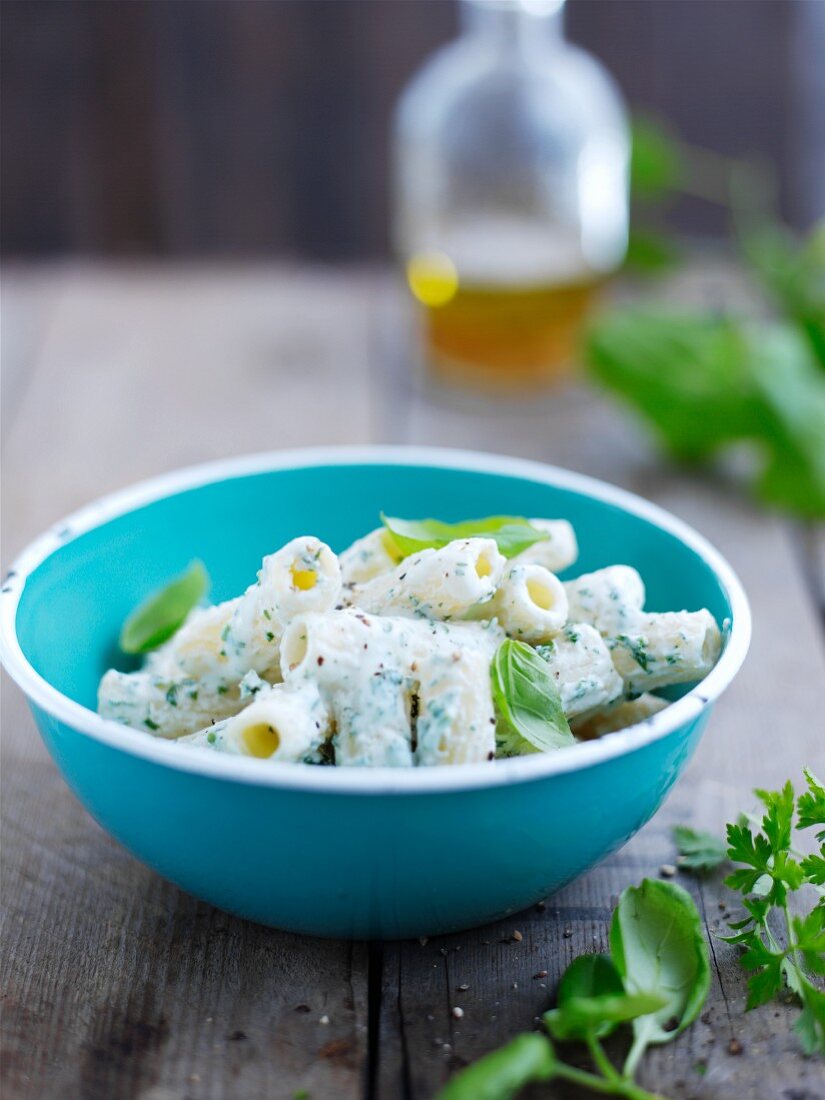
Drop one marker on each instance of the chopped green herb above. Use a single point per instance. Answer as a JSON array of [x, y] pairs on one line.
[[150, 724], [637, 648]]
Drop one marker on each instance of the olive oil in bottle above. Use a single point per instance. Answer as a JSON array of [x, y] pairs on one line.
[[511, 157], [502, 304]]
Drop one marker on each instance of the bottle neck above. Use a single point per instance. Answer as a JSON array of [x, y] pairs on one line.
[[514, 24]]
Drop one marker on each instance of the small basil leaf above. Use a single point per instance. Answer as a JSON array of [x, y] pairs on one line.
[[589, 976], [650, 252], [530, 715], [163, 613], [658, 947], [699, 852], [656, 162], [502, 1074], [581, 1017], [512, 534]]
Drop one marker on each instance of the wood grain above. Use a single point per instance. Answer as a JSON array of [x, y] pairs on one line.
[[114, 983]]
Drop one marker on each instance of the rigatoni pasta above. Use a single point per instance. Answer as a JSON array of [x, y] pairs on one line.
[[382, 657]]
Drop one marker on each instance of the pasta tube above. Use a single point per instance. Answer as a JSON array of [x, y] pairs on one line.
[[165, 707], [618, 717], [456, 719], [241, 634], [583, 670], [436, 584], [610, 599], [386, 682], [556, 552], [368, 557], [530, 603], [195, 678], [672, 647], [282, 723]]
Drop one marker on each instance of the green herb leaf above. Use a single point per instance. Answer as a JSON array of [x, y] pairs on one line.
[[527, 701], [512, 534], [163, 613], [584, 1017], [767, 979], [686, 372], [699, 852], [794, 273], [706, 382], [503, 1073], [650, 252], [809, 935], [658, 947], [592, 1001], [813, 868], [811, 805], [772, 870], [656, 161], [810, 1027], [589, 976]]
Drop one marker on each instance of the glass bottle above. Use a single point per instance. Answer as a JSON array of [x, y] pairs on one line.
[[511, 152]]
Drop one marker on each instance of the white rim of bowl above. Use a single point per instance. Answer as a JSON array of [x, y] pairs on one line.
[[373, 781]]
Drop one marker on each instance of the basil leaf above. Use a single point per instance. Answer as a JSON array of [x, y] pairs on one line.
[[512, 534], [589, 976], [657, 165], [163, 613], [699, 852], [658, 947], [592, 1000], [793, 271], [530, 715], [705, 382], [650, 252], [595, 1017], [503, 1073]]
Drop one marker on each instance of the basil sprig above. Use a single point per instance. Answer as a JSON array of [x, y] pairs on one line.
[[527, 701], [163, 612], [658, 946], [512, 534], [659, 971]]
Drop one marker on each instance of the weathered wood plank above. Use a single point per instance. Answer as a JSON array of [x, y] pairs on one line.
[[143, 369], [116, 984]]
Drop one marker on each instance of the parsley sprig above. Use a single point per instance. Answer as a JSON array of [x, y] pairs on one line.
[[780, 947]]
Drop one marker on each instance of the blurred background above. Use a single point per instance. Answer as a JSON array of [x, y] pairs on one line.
[[261, 127], [623, 195]]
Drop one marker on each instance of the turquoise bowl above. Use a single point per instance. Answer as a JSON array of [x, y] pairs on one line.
[[334, 851]]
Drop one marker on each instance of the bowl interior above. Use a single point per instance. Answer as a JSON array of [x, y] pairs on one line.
[[75, 601]]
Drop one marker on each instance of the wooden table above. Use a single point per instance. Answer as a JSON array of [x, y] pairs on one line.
[[115, 984]]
